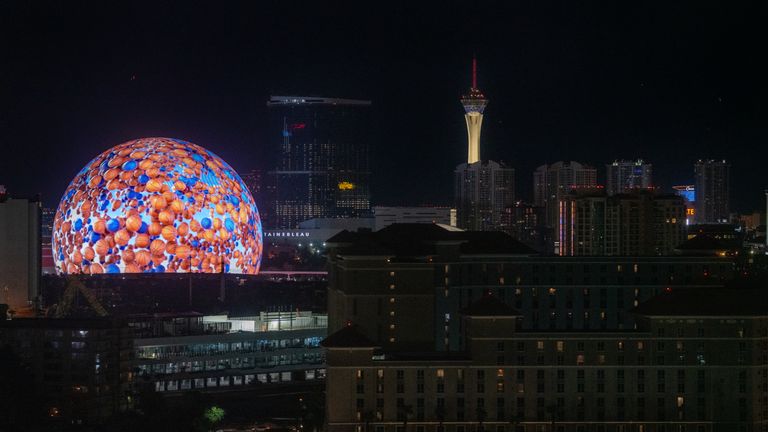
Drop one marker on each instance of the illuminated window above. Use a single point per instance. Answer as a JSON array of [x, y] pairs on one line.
[[359, 374], [580, 359], [620, 345], [391, 326], [391, 286], [560, 346], [380, 373], [391, 313], [634, 268], [640, 345], [680, 401], [552, 291], [440, 373], [500, 373], [391, 299], [392, 340], [392, 274], [539, 345]]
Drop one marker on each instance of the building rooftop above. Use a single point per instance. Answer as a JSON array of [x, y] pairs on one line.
[[721, 302], [704, 243], [418, 239], [311, 100], [348, 337]]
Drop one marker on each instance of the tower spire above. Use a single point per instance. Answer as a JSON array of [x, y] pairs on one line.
[[474, 71]]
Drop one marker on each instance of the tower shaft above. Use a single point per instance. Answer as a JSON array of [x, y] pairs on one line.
[[474, 123]]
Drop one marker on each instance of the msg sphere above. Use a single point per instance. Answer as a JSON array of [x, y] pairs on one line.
[[156, 205]]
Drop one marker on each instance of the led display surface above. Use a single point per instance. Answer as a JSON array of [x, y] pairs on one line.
[[156, 205]]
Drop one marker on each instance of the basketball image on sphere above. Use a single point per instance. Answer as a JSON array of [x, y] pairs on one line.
[[157, 205]]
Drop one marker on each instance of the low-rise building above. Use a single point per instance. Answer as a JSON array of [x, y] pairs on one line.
[[191, 351]]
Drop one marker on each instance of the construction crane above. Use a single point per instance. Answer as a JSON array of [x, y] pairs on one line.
[[74, 285]]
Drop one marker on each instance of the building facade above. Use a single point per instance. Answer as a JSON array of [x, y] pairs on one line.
[[713, 192], [636, 224], [323, 169], [483, 192], [386, 216], [692, 364], [526, 223], [551, 183], [81, 367], [391, 282], [626, 176], [20, 250], [185, 352], [688, 193]]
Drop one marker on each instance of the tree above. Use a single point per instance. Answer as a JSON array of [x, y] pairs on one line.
[[214, 414]]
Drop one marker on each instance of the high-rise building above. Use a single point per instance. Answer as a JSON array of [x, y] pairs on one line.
[[551, 183], [20, 250], [526, 224], [637, 224], [688, 193], [712, 191], [323, 171], [482, 189], [624, 176], [48, 264]]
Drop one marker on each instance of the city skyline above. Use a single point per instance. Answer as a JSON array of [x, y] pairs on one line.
[[583, 100]]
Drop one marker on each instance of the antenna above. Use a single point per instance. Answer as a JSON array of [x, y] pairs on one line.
[[474, 72]]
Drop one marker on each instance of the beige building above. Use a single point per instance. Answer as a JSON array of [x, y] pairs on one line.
[[20, 251], [697, 362]]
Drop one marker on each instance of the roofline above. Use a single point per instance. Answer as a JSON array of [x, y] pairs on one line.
[[313, 100], [682, 316]]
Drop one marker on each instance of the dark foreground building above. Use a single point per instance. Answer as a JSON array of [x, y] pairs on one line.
[[408, 283], [696, 362], [80, 368]]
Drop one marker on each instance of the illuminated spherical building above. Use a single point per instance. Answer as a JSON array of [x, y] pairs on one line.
[[157, 205]]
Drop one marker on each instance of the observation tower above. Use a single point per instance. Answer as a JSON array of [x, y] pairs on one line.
[[474, 103]]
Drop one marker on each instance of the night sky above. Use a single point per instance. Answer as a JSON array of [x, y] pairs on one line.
[[669, 82]]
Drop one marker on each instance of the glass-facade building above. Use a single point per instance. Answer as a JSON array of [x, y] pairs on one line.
[[323, 167], [213, 352]]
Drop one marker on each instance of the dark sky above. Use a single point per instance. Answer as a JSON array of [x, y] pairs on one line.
[[670, 82]]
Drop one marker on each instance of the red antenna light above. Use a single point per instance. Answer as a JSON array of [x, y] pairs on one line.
[[474, 72]]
